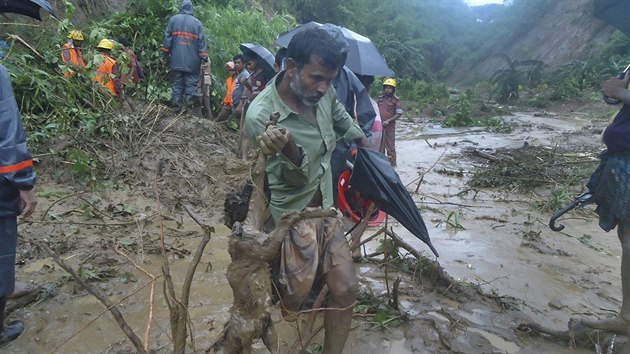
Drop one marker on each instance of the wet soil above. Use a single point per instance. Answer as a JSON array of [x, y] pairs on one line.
[[509, 267]]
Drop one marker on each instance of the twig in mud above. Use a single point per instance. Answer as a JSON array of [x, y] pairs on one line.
[[160, 133], [57, 201], [421, 177], [151, 294], [97, 293], [488, 282]]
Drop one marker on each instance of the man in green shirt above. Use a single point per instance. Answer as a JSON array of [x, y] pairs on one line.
[[299, 147]]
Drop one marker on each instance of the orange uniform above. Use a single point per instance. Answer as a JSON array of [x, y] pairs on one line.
[[72, 56], [107, 74], [230, 83]]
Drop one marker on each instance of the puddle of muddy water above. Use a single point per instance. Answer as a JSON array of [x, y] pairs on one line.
[[488, 251]]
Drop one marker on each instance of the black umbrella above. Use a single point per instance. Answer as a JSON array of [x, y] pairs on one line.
[[614, 13], [28, 8], [375, 179], [363, 57], [267, 58]]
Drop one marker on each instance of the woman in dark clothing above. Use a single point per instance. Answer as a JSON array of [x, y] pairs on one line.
[[611, 187]]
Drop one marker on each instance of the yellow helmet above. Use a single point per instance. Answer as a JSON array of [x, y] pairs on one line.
[[389, 82], [105, 44], [76, 35]]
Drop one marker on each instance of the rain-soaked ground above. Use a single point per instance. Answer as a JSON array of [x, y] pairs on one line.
[[560, 275]]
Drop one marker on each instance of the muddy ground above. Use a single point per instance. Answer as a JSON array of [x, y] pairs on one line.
[[508, 267]]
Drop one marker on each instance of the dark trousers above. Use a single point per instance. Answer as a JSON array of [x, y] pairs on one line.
[[184, 84], [8, 244]]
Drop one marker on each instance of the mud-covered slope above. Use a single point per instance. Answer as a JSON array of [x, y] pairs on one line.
[[566, 33]]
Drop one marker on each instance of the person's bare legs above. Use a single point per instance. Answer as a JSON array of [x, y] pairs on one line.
[[621, 323], [342, 286]]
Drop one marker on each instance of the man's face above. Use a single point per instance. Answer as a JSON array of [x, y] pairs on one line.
[[311, 82], [388, 90], [238, 65], [77, 43], [252, 65]]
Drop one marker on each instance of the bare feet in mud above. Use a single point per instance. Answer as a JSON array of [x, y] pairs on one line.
[[22, 288], [614, 325]]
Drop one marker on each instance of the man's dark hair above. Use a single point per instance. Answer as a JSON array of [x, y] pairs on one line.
[[320, 42], [238, 57], [280, 55]]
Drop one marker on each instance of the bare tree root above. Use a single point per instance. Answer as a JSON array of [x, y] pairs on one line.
[[250, 280], [97, 293]]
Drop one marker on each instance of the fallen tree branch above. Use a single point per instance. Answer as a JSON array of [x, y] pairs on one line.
[[118, 317]]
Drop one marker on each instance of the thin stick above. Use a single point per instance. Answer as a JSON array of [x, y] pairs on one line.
[[99, 315], [57, 201], [97, 293]]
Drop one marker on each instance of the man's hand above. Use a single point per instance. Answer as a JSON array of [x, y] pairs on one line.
[[615, 87], [273, 140], [204, 65], [27, 202], [385, 123]]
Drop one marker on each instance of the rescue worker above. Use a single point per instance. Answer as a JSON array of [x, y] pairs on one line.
[[390, 107], [185, 49], [298, 150], [107, 73], [17, 179], [230, 82], [72, 54], [133, 69]]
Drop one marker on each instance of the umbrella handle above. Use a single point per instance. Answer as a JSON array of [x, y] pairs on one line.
[[611, 101], [559, 213]]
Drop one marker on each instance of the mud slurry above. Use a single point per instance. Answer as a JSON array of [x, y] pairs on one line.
[[497, 283]]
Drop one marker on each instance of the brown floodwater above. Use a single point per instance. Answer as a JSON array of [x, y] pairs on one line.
[[577, 275]]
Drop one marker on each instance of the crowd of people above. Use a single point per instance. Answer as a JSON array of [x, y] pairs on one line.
[[324, 110]]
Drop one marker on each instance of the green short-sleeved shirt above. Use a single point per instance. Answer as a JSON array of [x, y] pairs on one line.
[[293, 187]]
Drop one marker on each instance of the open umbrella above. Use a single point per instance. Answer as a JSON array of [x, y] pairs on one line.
[[28, 8], [363, 57], [375, 178], [614, 13], [263, 53]]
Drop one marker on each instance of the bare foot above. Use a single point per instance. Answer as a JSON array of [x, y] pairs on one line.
[[22, 288], [615, 325]]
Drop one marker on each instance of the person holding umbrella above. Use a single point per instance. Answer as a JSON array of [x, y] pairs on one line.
[[259, 61], [390, 107], [298, 149], [610, 185]]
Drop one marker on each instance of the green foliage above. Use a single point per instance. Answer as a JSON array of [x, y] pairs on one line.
[[383, 315], [507, 81]]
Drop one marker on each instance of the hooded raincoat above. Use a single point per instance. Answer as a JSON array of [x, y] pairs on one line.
[[184, 40], [16, 165]]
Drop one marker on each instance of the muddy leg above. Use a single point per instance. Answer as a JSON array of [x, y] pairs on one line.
[[620, 324], [342, 284]]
